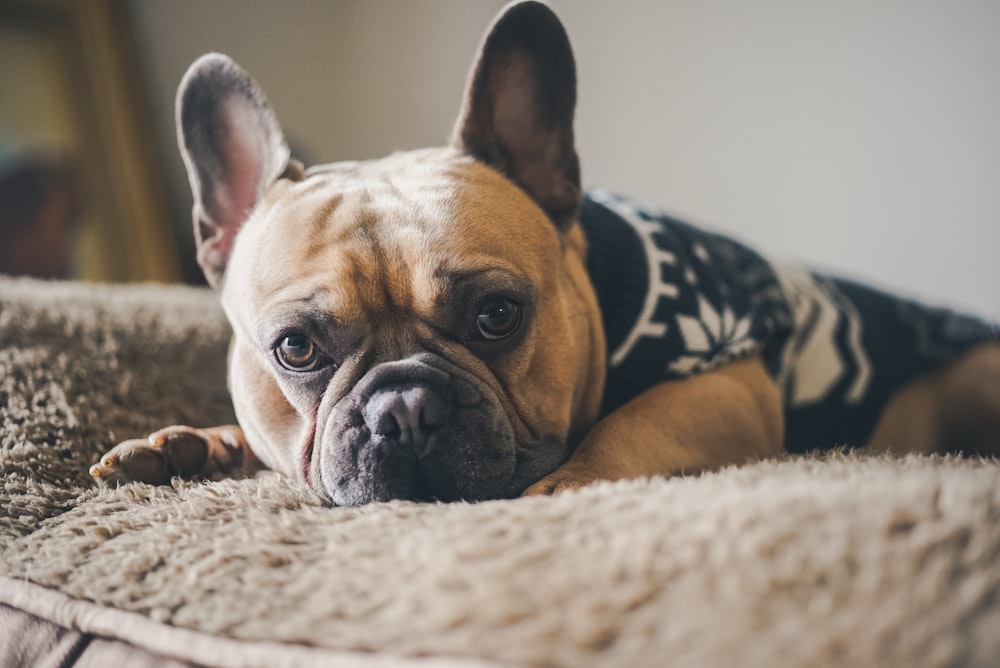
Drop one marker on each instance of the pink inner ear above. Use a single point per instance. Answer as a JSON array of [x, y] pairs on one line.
[[244, 153], [235, 192]]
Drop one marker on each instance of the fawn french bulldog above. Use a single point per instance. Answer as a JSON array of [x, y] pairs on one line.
[[466, 323]]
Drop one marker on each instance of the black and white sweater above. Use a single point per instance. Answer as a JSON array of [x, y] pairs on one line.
[[678, 301]]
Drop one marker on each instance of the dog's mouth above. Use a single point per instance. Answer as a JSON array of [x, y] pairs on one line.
[[414, 430]]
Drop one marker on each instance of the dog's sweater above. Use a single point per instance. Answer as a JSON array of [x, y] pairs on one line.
[[678, 301]]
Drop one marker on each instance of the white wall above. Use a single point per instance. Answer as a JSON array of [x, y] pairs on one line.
[[859, 135]]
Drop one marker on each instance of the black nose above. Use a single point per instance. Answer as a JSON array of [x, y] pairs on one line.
[[405, 414]]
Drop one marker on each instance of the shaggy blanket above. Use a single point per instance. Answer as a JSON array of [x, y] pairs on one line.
[[836, 560]]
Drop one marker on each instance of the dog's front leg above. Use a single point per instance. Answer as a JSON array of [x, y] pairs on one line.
[[726, 416], [181, 451]]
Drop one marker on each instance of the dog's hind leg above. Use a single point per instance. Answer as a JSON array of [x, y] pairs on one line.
[[955, 409]]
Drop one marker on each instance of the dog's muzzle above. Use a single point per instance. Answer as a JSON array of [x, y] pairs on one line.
[[406, 415], [419, 429]]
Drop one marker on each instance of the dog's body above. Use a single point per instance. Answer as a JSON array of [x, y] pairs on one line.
[[678, 301], [464, 323]]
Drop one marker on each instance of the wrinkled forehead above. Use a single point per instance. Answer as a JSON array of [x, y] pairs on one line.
[[408, 222]]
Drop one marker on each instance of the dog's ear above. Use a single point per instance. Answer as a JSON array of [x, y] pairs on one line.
[[233, 149], [517, 114]]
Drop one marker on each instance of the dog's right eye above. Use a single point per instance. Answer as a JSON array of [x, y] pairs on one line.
[[498, 319], [297, 352]]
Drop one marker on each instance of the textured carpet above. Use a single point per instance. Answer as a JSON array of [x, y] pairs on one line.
[[844, 560]]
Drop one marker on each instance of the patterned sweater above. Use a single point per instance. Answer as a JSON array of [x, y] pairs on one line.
[[678, 301]]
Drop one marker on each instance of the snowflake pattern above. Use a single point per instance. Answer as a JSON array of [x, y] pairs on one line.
[[710, 338], [688, 292]]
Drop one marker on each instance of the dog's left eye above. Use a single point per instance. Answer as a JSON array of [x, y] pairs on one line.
[[297, 352], [498, 319]]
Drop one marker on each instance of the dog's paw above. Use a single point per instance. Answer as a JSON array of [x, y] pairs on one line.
[[174, 451], [557, 482]]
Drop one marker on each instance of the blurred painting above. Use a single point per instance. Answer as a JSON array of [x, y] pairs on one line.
[[80, 194]]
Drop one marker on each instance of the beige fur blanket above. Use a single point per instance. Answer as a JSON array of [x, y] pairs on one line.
[[844, 560]]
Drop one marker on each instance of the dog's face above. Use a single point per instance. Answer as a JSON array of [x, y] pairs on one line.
[[419, 326]]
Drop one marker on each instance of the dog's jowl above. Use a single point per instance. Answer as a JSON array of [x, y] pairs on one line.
[[465, 322]]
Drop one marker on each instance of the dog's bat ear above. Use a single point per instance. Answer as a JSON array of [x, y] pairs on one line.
[[517, 114], [233, 149]]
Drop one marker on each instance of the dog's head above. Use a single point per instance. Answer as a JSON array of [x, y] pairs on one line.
[[419, 326]]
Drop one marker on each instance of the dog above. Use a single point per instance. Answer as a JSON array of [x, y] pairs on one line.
[[465, 323]]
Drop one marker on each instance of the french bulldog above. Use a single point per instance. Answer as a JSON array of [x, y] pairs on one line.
[[466, 323]]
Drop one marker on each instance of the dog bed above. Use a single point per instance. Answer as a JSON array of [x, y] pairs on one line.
[[842, 559]]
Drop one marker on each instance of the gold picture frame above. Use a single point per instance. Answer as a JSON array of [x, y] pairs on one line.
[[68, 81]]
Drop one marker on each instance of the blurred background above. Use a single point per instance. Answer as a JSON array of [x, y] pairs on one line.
[[861, 135]]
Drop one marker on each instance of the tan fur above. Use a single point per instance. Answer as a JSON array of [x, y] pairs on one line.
[[954, 409], [432, 212], [728, 416]]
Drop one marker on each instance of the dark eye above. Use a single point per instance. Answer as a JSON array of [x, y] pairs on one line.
[[297, 352], [498, 319]]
